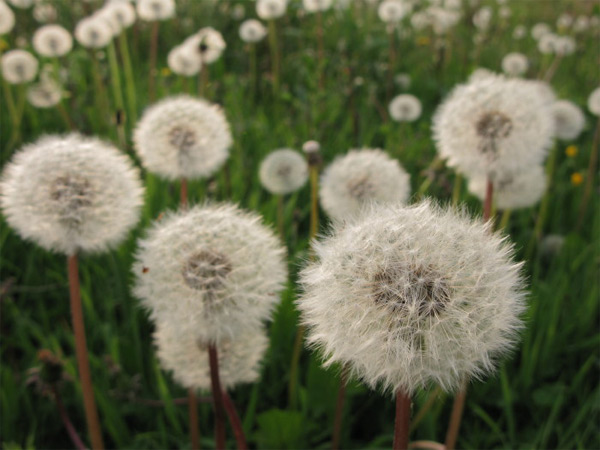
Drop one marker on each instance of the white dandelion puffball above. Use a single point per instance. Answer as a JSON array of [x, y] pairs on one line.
[[214, 270], [582, 24], [252, 30], [539, 30], [513, 191], [482, 18], [393, 11], [71, 193], [568, 120], [283, 171], [515, 64], [44, 13], [361, 177], [93, 32], [184, 60], [152, 10], [493, 126], [564, 21], [45, 94], [19, 66], [407, 297], [183, 137], [564, 45], [547, 43], [7, 18], [239, 358], [313, 6], [121, 12], [209, 44], [21, 4], [270, 9], [52, 41], [519, 32], [405, 108], [593, 102]]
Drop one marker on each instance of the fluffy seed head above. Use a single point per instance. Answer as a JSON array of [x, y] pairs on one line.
[[209, 44], [71, 193], [270, 9], [182, 353], [121, 12], [7, 18], [515, 64], [393, 11], [19, 66], [21, 4], [44, 13], [359, 178], [252, 30], [44, 94], [152, 10], [52, 41], [513, 191], [482, 18], [410, 296], [214, 270], [283, 171], [519, 32], [593, 102], [312, 6], [568, 120], [405, 108], [184, 60], [493, 126], [183, 137], [539, 30], [93, 32]]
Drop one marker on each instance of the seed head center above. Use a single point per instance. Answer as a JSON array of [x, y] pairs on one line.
[[206, 271]]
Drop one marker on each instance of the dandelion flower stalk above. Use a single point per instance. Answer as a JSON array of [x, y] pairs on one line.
[[402, 420], [101, 99], [253, 69], [274, 47], [129, 77], [85, 378], [115, 78], [339, 410], [217, 395], [392, 56], [193, 417], [320, 51], [234, 420], [505, 219], [153, 54], [456, 417], [458, 181]]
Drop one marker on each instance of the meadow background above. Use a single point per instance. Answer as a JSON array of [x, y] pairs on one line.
[[545, 396]]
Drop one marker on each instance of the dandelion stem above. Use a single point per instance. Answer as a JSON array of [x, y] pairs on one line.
[[71, 431], [153, 52], [253, 70], [280, 226], [115, 78], [183, 194], [65, 115], [292, 388], [203, 80], [589, 182], [488, 202], [552, 69], [458, 181], [456, 417], [321, 51], [15, 116], [236, 423], [402, 422], [505, 219], [274, 55], [91, 414], [193, 416], [101, 99], [314, 202], [391, 64], [129, 77], [425, 408], [217, 394], [339, 410]]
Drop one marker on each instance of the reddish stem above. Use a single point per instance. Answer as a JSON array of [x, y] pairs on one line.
[[217, 394], [183, 194], [91, 414], [235, 422], [193, 416], [402, 422], [456, 417], [339, 410], [487, 205], [79, 445]]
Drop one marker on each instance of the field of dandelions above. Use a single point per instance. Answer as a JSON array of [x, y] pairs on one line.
[[361, 316]]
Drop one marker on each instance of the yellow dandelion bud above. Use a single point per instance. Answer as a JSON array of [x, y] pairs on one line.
[[3, 45], [423, 40], [571, 151], [165, 71], [576, 179]]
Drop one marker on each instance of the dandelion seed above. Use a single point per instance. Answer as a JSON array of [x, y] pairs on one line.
[[405, 108], [360, 177], [407, 297], [215, 271], [568, 120], [183, 137], [283, 171], [19, 66], [52, 41], [252, 31], [71, 194]]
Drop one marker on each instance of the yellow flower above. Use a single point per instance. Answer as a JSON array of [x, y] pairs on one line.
[[3, 45], [423, 40], [576, 179], [571, 151], [165, 71]]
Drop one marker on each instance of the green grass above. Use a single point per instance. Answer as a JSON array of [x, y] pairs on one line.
[[545, 396]]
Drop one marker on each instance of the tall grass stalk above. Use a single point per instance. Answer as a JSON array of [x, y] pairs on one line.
[[129, 78]]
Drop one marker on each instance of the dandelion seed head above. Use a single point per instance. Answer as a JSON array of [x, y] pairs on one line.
[[539, 30], [44, 12], [569, 120], [515, 64], [184, 60], [405, 108], [182, 353], [494, 126], [19, 66], [93, 32], [209, 44], [52, 41], [393, 11], [183, 137], [252, 30], [360, 177], [153, 10], [21, 4], [270, 9], [283, 171], [44, 94], [593, 102], [519, 32], [313, 6], [407, 297], [121, 13], [7, 18], [482, 18], [71, 193], [214, 270]]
